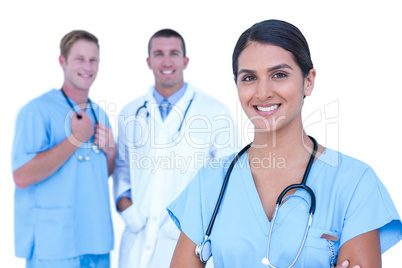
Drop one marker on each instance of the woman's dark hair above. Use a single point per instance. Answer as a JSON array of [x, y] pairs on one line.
[[278, 33]]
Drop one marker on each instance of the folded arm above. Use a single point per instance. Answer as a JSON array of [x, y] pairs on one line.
[[363, 250], [184, 254]]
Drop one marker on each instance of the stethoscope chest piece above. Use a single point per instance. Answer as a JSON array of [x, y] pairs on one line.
[[203, 250]]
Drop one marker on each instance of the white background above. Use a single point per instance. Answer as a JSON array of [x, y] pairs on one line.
[[355, 45]]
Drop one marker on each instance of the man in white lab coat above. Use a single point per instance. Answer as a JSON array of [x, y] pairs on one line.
[[164, 137]]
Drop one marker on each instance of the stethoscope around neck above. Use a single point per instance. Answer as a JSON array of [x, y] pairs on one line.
[[177, 133], [203, 250], [95, 148]]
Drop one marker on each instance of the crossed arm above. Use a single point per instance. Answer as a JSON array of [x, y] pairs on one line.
[[362, 251]]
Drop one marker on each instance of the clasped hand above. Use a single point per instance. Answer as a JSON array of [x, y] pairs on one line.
[[82, 129]]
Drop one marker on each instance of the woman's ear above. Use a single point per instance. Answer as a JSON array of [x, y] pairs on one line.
[[309, 82]]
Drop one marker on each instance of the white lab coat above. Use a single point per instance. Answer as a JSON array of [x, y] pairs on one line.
[[157, 169]]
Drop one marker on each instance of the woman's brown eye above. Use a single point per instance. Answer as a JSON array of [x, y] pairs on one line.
[[249, 78], [280, 75]]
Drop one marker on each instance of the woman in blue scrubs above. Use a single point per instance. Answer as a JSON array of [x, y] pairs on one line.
[[355, 218]]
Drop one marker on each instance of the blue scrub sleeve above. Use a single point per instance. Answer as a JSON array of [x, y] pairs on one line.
[[125, 194], [186, 211], [371, 208], [30, 137]]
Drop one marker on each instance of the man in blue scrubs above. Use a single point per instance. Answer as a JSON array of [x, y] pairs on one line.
[[63, 153]]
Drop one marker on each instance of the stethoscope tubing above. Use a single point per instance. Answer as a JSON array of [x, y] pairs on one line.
[[304, 180], [302, 185], [298, 186], [95, 148], [144, 106], [72, 107], [279, 200], [199, 248], [223, 189]]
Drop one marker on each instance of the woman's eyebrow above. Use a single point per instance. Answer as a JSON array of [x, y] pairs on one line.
[[274, 68], [280, 66], [246, 71]]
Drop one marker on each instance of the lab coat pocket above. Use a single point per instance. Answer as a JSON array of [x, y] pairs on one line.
[[319, 252], [54, 233], [134, 219]]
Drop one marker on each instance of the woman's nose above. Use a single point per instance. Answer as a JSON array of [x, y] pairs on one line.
[[264, 90]]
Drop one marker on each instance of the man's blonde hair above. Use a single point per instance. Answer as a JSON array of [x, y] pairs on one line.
[[69, 40]]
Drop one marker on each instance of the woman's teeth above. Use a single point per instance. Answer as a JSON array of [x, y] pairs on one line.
[[267, 109]]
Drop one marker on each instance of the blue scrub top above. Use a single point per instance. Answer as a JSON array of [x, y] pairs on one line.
[[67, 214], [350, 200]]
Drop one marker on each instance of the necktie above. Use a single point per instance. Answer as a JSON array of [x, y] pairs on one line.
[[164, 108]]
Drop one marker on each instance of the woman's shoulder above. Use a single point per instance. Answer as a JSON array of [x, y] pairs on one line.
[[345, 169], [335, 159]]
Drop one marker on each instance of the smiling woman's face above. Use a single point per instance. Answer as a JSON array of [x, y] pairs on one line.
[[271, 87]]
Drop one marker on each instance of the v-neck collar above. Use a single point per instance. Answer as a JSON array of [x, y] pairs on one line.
[[285, 209], [77, 109]]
